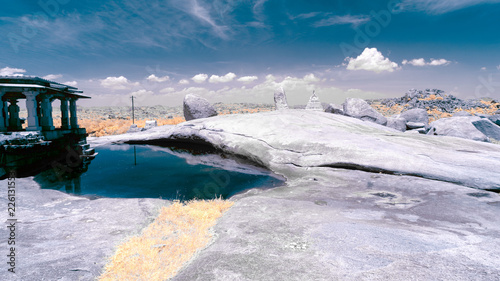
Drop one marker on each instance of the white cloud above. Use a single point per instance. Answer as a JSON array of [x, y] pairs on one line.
[[247, 79], [167, 90], [422, 62], [52, 76], [184, 82], [498, 67], [118, 83], [200, 78], [437, 7], [347, 19], [483, 68], [141, 93], [71, 83], [222, 79], [7, 71], [439, 62], [154, 78], [371, 60], [311, 78]]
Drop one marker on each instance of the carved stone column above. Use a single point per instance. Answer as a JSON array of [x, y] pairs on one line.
[[3, 118], [31, 107], [73, 117], [64, 114], [47, 122]]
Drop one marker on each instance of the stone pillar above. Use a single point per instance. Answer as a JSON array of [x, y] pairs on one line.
[[64, 114], [3, 118], [73, 117], [6, 113], [31, 107], [14, 121], [47, 123]]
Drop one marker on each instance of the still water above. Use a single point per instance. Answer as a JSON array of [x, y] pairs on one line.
[[142, 171]]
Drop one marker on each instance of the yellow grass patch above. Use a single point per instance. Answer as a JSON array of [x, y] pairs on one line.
[[168, 243]]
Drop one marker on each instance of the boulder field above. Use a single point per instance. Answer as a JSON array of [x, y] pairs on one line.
[[362, 201]]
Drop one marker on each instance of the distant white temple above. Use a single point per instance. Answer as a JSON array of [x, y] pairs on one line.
[[314, 103]]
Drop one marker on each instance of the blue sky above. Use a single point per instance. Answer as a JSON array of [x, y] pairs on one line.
[[240, 51]]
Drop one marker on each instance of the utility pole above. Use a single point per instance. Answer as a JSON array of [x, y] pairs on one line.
[[133, 117]]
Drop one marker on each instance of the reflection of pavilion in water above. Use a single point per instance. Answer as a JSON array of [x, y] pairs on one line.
[[64, 174]]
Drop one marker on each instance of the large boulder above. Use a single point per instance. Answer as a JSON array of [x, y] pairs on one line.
[[397, 123], [417, 115], [280, 99], [358, 108], [415, 125], [196, 107], [488, 128], [335, 109], [461, 127]]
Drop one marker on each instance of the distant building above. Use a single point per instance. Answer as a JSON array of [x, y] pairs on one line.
[[314, 103]]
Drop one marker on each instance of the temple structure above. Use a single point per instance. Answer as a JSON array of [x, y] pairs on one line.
[[34, 144], [314, 103], [38, 94]]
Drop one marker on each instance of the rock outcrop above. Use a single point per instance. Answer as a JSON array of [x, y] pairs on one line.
[[417, 115], [196, 107], [335, 109], [495, 119], [358, 108], [461, 127], [433, 99], [488, 128], [280, 99], [397, 123], [340, 142]]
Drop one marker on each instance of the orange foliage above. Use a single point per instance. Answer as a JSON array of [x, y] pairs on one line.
[[100, 127]]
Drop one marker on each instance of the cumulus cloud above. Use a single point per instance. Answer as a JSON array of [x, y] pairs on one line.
[[311, 78], [154, 78], [371, 60], [184, 82], [141, 92], [422, 62], [167, 90], [222, 79], [52, 76], [8, 71], [247, 79], [70, 83], [200, 78], [118, 83]]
